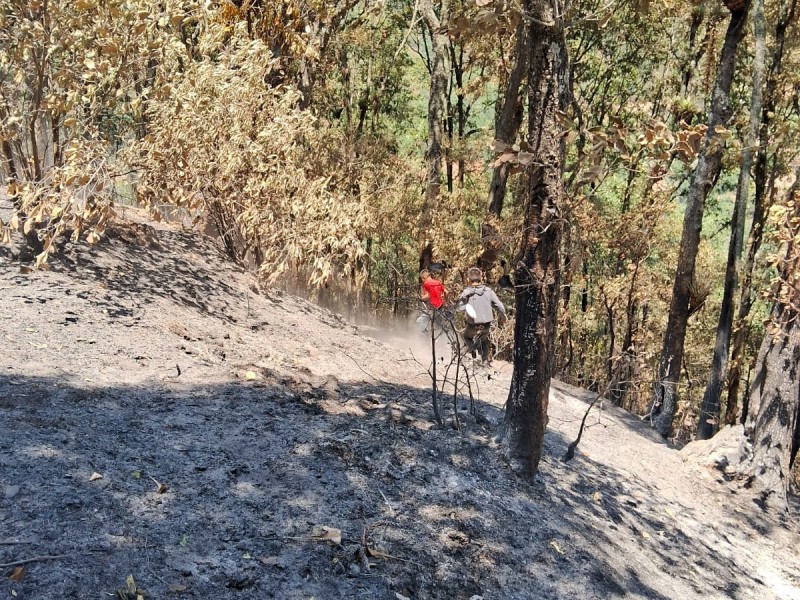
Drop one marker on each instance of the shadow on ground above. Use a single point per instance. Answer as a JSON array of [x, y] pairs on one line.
[[251, 471]]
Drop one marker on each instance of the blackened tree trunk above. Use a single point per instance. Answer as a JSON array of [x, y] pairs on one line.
[[710, 406], [776, 390], [622, 369], [537, 266], [761, 207], [436, 25], [8, 155], [775, 396], [509, 118], [665, 392]]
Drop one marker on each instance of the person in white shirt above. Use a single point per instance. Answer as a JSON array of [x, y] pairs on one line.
[[478, 300]]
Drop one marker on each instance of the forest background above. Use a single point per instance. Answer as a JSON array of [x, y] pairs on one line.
[[338, 147]]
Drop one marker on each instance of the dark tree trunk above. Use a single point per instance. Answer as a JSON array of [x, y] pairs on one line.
[[457, 60], [775, 388], [761, 207], [509, 119], [56, 133], [709, 407], [665, 394], [775, 397], [537, 266], [698, 13], [611, 339], [8, 155], [439, 78], [623, 369]]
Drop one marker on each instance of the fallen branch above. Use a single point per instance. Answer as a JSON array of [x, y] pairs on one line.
[[385, 499], [362, 368], [26, 561], [14, 542], [374, 552]]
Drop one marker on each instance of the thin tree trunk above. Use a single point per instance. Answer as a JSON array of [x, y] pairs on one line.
[[439, 77], [56, 137], [709, 407], [461, 111], [622, 372], [510, 119], [8, 155], [698, 13], [611, 339], [665, 393], [761, 207], [537, 266]]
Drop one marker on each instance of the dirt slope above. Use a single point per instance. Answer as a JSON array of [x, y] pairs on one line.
[[229, 423]]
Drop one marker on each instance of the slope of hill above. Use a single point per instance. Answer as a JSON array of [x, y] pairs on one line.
[[164, 417]]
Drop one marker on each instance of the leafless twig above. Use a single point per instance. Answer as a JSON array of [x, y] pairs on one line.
[[362, 368], [33, 559], [570, 453]]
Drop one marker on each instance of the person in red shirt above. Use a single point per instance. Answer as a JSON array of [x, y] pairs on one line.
[[434, 294], [433, 290]]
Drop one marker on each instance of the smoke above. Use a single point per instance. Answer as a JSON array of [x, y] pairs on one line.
[[410, 336]]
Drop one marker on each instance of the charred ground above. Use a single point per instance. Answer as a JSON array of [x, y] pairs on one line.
[[165, 417]]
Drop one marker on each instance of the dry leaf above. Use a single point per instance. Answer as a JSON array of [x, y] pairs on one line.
[[160, 487], [669, 512], [325, 533], [556, 547], [250, 376], [375, 553], [16, 574], [645, 535], [95, 476], [597, 497]]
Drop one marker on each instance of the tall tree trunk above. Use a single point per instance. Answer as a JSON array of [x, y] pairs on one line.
[[537, 266], [623, 369], [709, 407], [55, 130], [10, 166], [440, 43], [775, 397], [510, 118], [665, 394], [457, 59], [761, 207]]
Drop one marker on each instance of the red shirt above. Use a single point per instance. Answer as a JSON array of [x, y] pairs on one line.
[[435, 290]]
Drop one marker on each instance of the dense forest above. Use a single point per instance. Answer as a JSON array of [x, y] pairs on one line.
[[633, 168]]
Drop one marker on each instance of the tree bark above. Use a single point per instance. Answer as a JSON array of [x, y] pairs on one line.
[[775, 397], [665, 393], [710, 406], [623, 368], [761, 207], [537, 266], [8, 155], [509, 119], [440, 43]]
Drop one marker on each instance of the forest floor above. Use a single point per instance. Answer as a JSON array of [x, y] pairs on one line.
[[170, 426]]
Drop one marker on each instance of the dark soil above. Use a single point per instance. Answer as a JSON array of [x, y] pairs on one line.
[[164, 417]]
